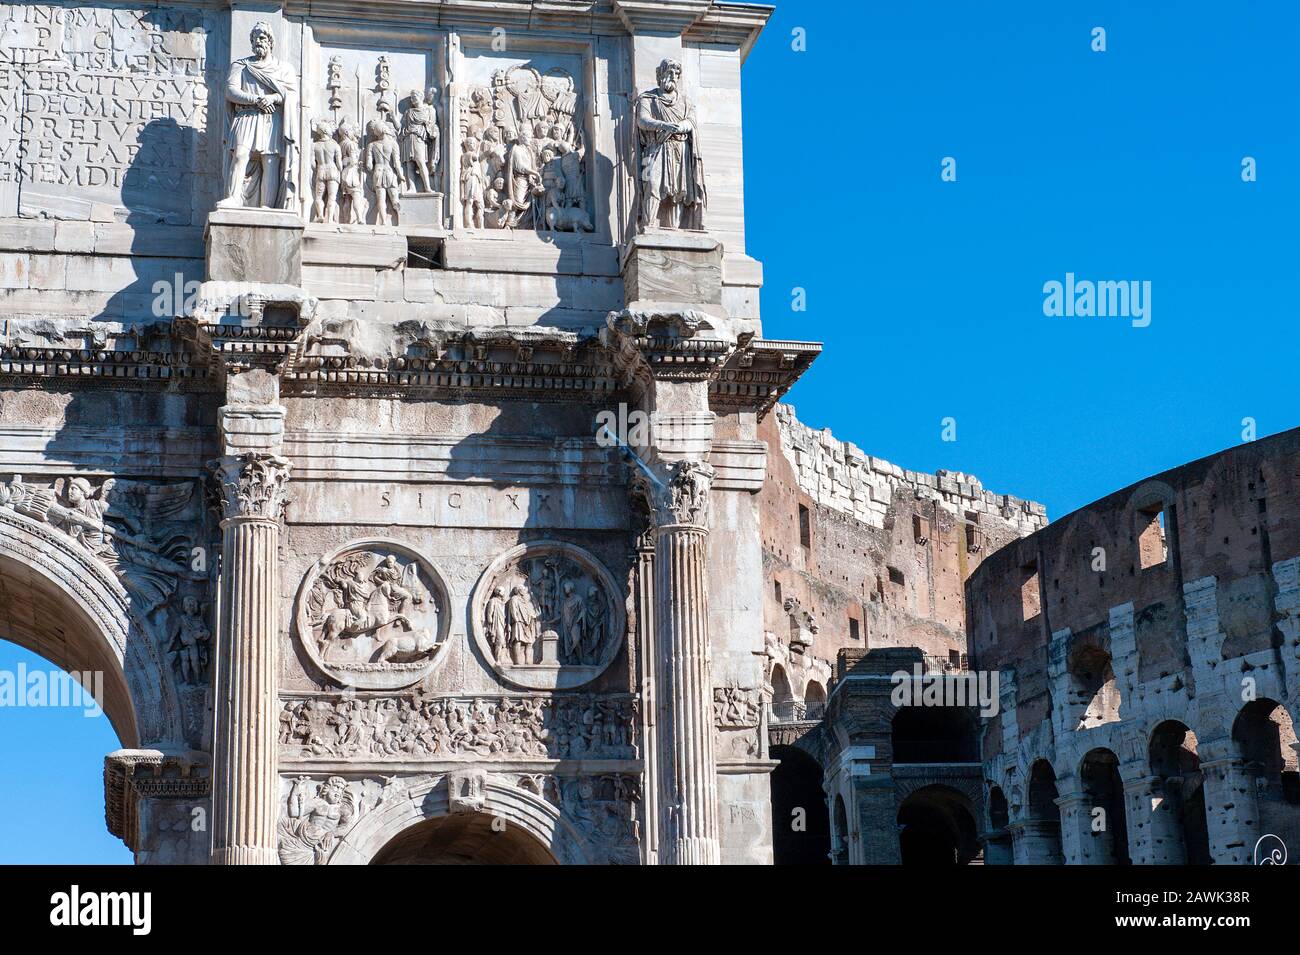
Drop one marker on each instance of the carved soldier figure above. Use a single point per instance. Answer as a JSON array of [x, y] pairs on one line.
[[420, 141], [494, 625], [523, 625], [471, 185], [263, 96], [352, 200], [326, 172], [672, 170], [385, 169]]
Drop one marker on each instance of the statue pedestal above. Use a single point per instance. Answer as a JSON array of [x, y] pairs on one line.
[[254, 245], [550, 648], [422, 208], [668, 266]]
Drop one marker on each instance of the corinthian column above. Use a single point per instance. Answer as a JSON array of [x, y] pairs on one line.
[[686, 769], [245, 777]]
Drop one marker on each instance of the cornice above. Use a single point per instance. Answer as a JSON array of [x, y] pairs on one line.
[[757, 376]]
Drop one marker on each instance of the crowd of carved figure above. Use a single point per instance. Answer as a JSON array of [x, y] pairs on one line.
[[554, 600], [522, 162], [540, 727]]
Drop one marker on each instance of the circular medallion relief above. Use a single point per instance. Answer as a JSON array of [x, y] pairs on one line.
[[373, 615], [547, 616]]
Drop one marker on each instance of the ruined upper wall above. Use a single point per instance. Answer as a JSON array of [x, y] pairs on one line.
[[878, 555], [1171, 575]]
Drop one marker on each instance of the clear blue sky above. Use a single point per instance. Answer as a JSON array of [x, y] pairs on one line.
[[928, 295], [1117, 165]]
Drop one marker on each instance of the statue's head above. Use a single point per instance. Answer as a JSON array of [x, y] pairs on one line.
[[522, 136], [334, 789], [347, 130], [669, 75], [78, 490], [416, 97], [376, 129], [262, 40], [431, 96], [190, 605]]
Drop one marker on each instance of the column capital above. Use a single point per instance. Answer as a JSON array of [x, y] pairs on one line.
[[676, 495], [250, 486]]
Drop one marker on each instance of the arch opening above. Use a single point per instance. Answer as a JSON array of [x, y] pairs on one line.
[[472, 838], [1264, 738], [37, 615], [783, 702], [1178, 818], [801, 830], [1099, 774], [1041, 838], [997, 844], [936, 828]]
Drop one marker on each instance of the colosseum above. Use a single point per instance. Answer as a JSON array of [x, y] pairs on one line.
[[386, 416]]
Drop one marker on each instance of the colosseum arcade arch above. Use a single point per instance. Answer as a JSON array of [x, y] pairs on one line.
[[1099, 775], [1264, 739], [936, 827], [1178, 823]]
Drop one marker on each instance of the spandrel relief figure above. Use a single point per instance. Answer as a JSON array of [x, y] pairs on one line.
[[315, 820], [135, 530], [384, 167], [420, 141], [327, 172], [672, 170], [191, 638], [262, 139]]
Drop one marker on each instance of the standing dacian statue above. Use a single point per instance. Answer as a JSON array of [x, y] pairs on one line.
[[262, 142], [672, 170]]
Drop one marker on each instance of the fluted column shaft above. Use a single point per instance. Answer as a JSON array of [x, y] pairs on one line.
[[688, 775], [245, 774]]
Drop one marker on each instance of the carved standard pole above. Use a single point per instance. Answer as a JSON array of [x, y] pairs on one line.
[[686, 767], [245, 775]]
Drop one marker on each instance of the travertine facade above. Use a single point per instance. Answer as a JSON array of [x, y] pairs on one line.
[[1149, 653]]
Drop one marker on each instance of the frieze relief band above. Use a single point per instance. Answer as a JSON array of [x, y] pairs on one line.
[[407, 727]]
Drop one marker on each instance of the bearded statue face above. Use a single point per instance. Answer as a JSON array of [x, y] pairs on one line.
[[263, 44], [669, 75]]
